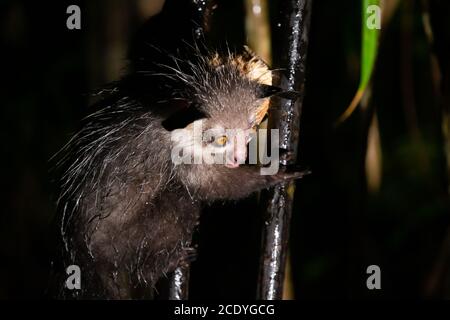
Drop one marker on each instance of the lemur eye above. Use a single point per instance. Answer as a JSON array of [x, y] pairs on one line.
[[221, 141]]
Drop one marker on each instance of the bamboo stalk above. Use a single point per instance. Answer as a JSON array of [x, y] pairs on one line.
[[179, 284], [292, 28]]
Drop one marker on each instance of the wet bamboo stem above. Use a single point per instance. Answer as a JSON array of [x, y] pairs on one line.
[[292, 27], [179, 284]]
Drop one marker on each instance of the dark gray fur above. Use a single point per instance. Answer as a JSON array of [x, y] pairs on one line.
[[127, 213]]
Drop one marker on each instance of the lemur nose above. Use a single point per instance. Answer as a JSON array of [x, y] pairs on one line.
[[240, 152]]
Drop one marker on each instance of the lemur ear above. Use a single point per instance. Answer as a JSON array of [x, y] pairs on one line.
[[289, 95], [266, 91], [279, 77]]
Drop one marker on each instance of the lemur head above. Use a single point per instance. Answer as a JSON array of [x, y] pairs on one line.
[[231, 95]]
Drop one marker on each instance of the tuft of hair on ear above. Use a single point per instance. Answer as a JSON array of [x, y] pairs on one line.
[[249, 64], [256, 68]]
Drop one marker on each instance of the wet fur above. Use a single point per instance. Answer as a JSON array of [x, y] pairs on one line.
[[127, 213]]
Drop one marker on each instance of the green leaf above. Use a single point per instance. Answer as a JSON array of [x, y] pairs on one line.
[[371, 16], [369, 44]]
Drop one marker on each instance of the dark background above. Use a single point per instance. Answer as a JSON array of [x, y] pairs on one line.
[[339, 227]]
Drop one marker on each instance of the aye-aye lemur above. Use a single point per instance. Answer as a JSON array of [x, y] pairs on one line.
[[128, 210]]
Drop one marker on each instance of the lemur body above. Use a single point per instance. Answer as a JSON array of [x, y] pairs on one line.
[[129, 212]]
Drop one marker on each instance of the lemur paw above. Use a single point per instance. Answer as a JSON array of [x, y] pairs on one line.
[[286, 174], [189, 256]]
